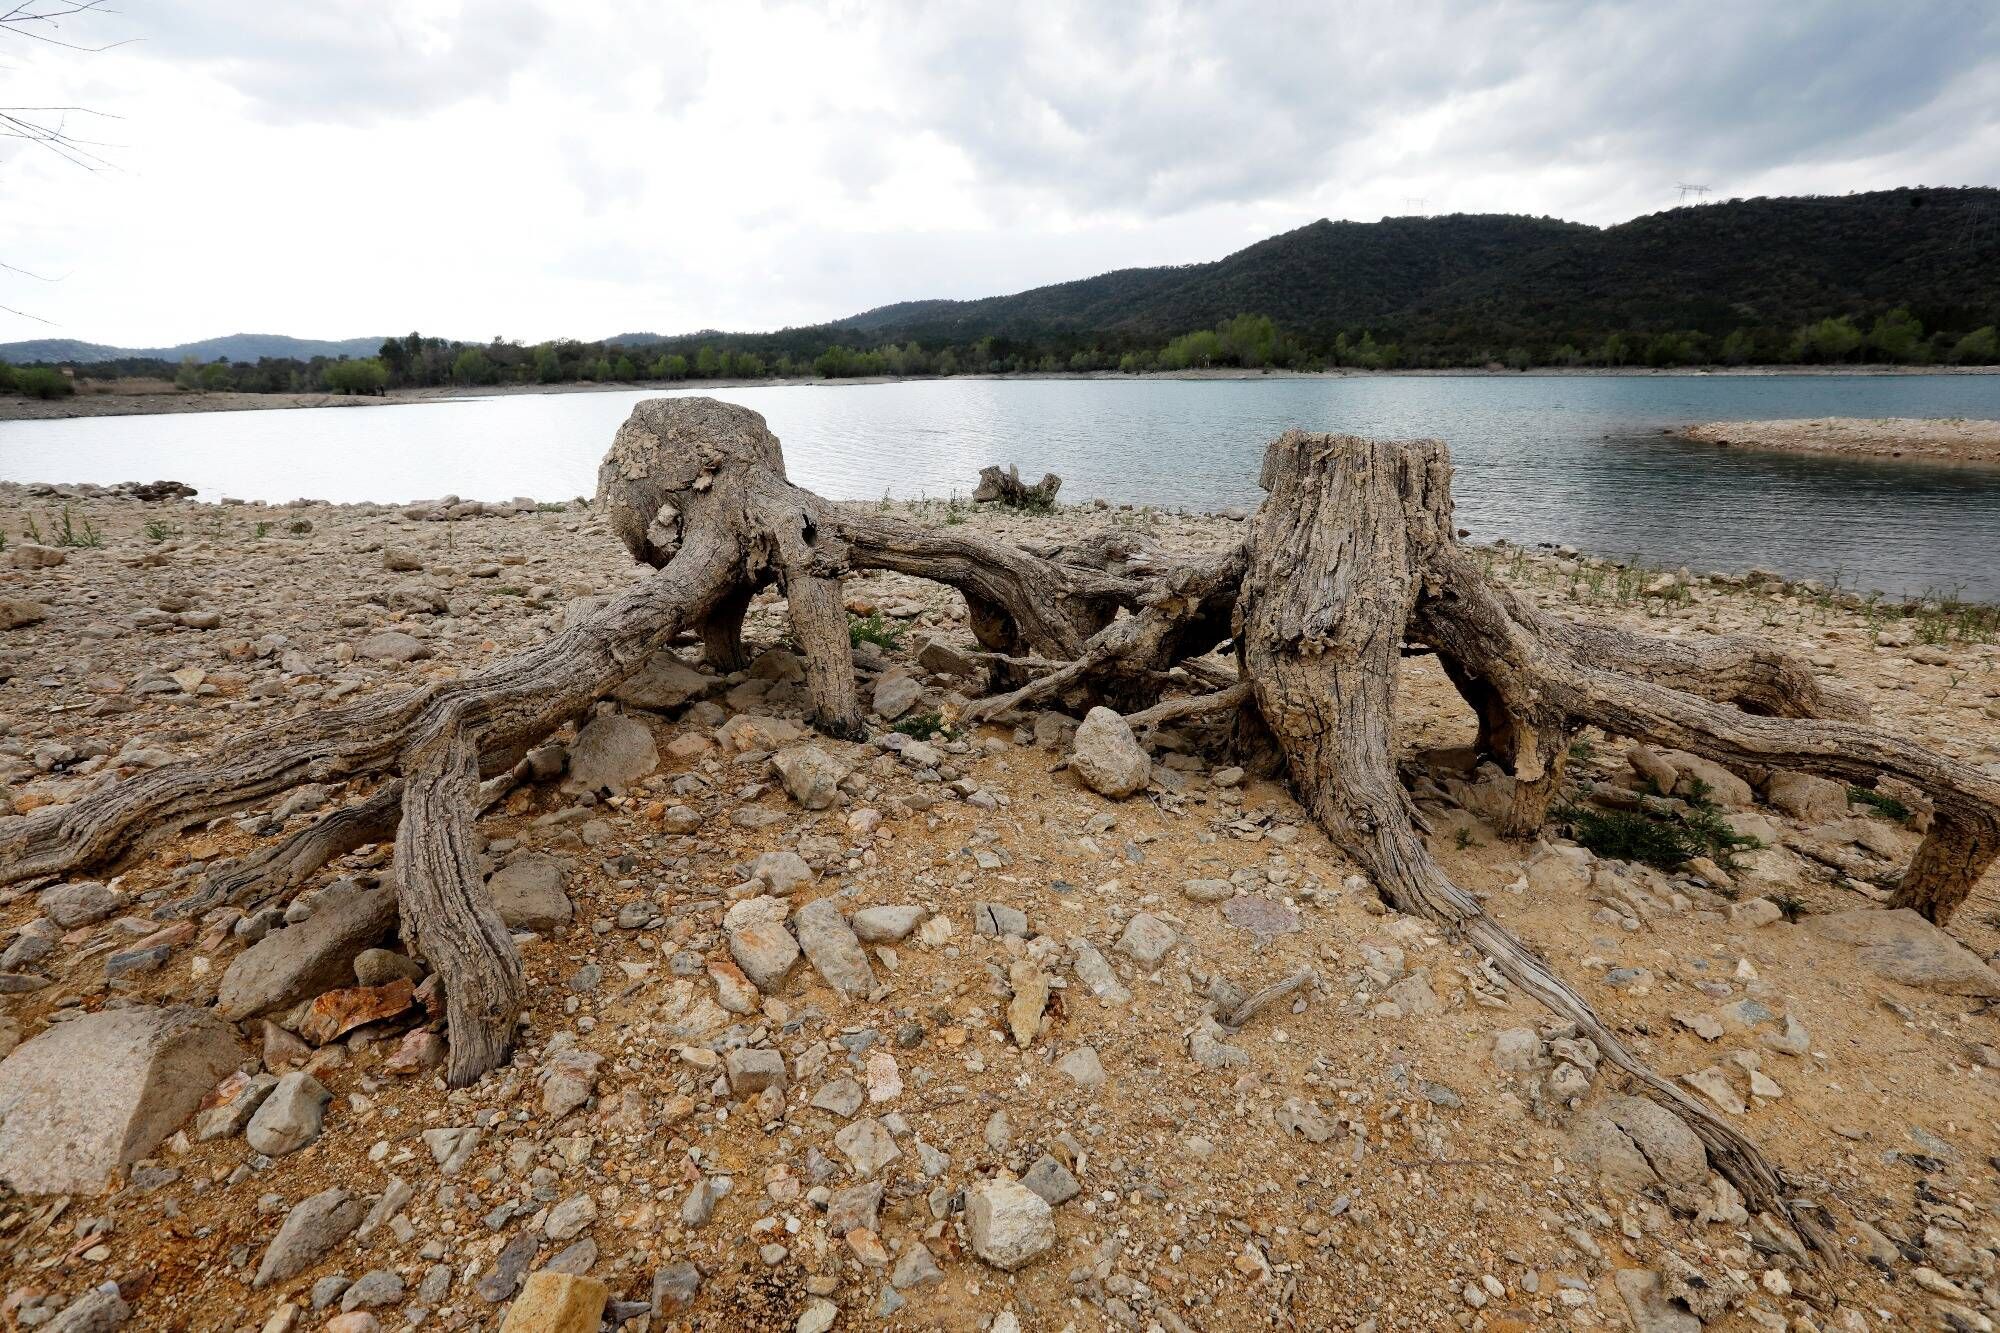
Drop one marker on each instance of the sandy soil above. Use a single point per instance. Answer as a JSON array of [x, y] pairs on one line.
[[1928, 439], [1368, 1165]]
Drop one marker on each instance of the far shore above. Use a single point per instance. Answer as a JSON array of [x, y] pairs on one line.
[[1905, 439], [109, 401]]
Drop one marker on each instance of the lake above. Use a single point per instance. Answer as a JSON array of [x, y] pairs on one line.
[[1578, 460]]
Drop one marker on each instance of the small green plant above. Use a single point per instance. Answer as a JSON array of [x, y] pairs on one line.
[[921, 726], [67, 533], [1657, 835], [262, 530], [1884, 804], [1463, 837], [32, 530], [159, 530], [1582, 750], [872, 628], [1789, 903]]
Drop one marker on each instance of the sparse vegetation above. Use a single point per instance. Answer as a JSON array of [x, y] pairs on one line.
[[69, 533], [1657, 833], [1883, 804], [872, 628], [922, 726], [158, 530]]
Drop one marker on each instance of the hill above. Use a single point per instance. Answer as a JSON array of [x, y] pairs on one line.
[[233, 347]]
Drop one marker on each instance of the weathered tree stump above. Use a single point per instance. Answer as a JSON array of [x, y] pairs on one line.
[[1008, 488], [1350, 562]]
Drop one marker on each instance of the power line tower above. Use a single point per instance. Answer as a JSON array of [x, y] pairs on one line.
[[1687, 189]]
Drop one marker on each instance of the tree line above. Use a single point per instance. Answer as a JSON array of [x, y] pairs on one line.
[[1250, 342]]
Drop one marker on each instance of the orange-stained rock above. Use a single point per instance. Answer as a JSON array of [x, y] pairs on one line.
[[343, 1010], [557, 1303]]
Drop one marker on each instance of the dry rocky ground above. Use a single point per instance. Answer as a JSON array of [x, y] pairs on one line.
[[1002, 1088]]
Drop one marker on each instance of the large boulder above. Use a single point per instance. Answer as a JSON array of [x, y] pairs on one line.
[[299, 962], [1806, 798], [611, 753], [91, 1095], [1902, 946], [1108, 758]]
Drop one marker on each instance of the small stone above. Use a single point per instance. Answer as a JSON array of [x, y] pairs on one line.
[[570, 1218], [528, 895], [1052, 1181], [867, 1146], [1083, 1067], [836, 953], [753, 1069], [313, 1227], [290, 1118], [1107, 757], [811, 775], [886, 925], [765, 951]]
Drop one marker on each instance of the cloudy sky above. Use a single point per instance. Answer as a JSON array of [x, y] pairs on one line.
[[535, 168]]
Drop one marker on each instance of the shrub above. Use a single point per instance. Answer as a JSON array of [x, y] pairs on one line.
[[871, 628], [35, 382]]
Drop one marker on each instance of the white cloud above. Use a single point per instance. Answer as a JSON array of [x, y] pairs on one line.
[[531, 168]]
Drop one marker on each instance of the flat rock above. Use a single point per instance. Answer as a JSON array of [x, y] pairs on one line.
[[86, 1097], [557, 1303], [1260, 915], [314, 1226], [765, 951], [1146, 939], [886, 925], [528, 894], [1806, 797], [1651, 1309], [392, 646], [611, 753], [664, 682], [832, 947], [896, 694], [1107, 757], [73, 905], [867, 1145], [291, 1117], [1635, 1142], [1901, 946], [299, 962]]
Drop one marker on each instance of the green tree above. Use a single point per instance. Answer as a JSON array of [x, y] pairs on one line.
[[215, 376], [624, 369], [363, 376], [1981, 347], [471, 366], [1828, 340], [706, 363], [1896, 336], [189, 375], [548, 365]]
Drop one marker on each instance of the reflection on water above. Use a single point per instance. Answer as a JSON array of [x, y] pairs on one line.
[[1580, 459]]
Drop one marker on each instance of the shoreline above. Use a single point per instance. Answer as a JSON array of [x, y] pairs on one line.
[[1952, 440], [112, 403]]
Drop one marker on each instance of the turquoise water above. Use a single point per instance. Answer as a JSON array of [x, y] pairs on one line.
[[1578, 460]]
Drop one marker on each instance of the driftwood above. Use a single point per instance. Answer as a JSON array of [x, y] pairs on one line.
[[1351, 562], [1008, 488]]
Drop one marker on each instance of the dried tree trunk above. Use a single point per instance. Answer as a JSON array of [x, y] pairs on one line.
[[1008, 488]]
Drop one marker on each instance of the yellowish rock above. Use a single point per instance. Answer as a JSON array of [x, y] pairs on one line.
[[557, 1303]]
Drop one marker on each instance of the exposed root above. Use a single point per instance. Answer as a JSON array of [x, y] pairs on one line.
[[291, 861]]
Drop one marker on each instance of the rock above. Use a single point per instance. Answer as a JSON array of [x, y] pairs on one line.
[[765, 951], [83, 1098], [1413, 995], [227, 1110], [19, 613], [1901, 946], [379, 967], [401, 560], [528, 895], [1094, 971], [664, 682], [1007, 1224], [833, 948], [73, 905], [504, 1277], [699, 1205], [570, 1218], [733, 990], [392, 646], [854, 1208], [1107, 757], [842, 1097], [99, 1310], [1709, 779], [753, 1069], [749, 731], [1755, 912], [1260, 916], [1052, 1181], [1208, 890], [867, 1146], [32, 555], [998, 919], [1635, 1142], [1146, 939], [313, 1227], [1714, 1084], [817, 1317], [896, 694], [1516, 1050], [947, 659], [291, 1117], [915, 1268], [781, 872], [372, 1290], [675, 1287], [568, 1078], [811, 775], [611, 753], [452, 1147], [1651, 1310], [337, 1012], [1084, 1067], [886, 925], [557, 1303], [299, 962], [1805, 797], [1031, 994]]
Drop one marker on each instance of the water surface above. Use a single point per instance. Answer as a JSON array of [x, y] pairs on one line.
[[1578, 460]]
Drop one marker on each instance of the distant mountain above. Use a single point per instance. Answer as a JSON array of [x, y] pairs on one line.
[[235, 347]]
